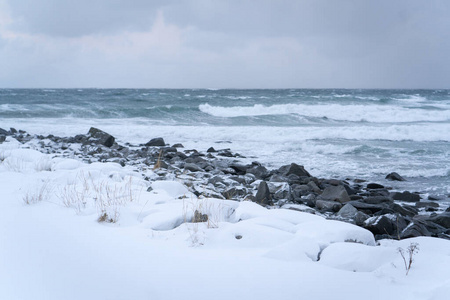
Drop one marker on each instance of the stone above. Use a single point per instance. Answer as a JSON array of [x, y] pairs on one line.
[[101, 137], [263, 195], [405, 196], [377, 200], [368, 208], [240, 169], [442, 219], [414, 230], [3, 132], [373, 186], [394, 177], [295, 170], [2, 138], [386, 224], [192, 167], [331, 206], [178, 145], [156, 142], [335, 193], [427, 204], [347, 211], [404, 210], [211, 150]]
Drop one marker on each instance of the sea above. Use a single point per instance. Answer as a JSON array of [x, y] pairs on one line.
[[334, 133]]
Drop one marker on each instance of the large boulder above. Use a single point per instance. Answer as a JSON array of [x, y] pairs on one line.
[[394, 177], [156, 142], [294, 169], [335, 193], [442, 219], [100, 137]]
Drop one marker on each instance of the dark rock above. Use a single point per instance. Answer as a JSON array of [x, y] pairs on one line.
[[101, 137], [377, 200], [156, 142], [240, 169], [335, 193], [374, 186], [178, 145], [263, 195], [168, 150], [225, 153], [386, 224], [192, 167], [395, 177], [414, 230], [347, 211], [294, 169], [331, 206], [442, 219], [12, 130], [427, 204], [3, 132], [2, 138], [368, 208], [405, 196], [435, 198], [211, 150], [404, 210], [260, 172]]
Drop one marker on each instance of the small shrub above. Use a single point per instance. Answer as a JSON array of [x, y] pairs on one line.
[[42, 192], [412, 249]]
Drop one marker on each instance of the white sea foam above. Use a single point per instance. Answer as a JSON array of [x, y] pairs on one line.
[[354, 113]]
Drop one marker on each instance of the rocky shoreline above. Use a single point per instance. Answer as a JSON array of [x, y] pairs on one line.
[[220, 174]]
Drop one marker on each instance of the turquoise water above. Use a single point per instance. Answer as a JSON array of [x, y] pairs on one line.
[[334, 133]]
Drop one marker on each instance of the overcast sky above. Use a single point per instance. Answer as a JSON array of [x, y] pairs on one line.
[[225, 44]]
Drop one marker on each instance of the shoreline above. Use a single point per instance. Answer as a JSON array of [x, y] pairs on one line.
[[220, 174]]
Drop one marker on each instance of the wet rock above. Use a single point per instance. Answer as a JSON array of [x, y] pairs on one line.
[[405, 196], [368, 208], [2, 138], [331, 206], [178, 145], [395, 177], [192, 167], [294, 169], [442, 219], [404, 210], [335, 193], [156, 142], [377, 200], [427, 204], [372, 186], [3, 132], [263, 195], [240, 169], [414, 230], [101, 137], [211, 150], [347, 211]]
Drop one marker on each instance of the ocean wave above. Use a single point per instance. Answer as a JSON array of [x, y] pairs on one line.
[[353, 113]]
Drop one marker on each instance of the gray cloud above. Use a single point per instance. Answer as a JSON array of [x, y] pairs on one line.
[[211, 43]]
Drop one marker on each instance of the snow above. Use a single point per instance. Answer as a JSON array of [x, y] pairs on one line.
[[56, 248]]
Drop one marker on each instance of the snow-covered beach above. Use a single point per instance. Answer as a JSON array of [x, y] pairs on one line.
[[77, 230]]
